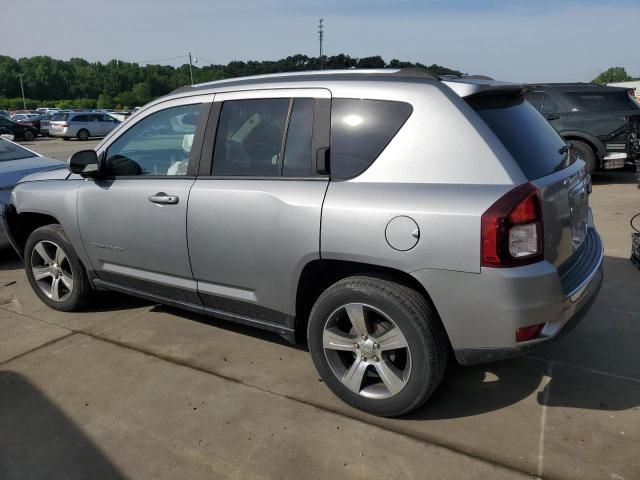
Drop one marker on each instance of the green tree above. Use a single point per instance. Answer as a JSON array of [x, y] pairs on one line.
[[105, 101], [611, 75]]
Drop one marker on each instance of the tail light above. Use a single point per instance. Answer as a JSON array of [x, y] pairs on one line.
[[64, 125], [512, 229], [524, 334]]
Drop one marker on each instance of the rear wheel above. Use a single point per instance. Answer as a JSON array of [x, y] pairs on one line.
[[378, 345], [83, 134], [54, 270], [28, 135], [586, 153]]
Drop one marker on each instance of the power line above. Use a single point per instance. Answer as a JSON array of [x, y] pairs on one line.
[[161, 59]]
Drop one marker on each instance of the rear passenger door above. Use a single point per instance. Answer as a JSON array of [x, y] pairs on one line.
[[254, 211]]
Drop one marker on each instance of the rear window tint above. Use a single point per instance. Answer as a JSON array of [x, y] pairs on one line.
[[533, 143], [360, 130], [59, 117], [602, 101]]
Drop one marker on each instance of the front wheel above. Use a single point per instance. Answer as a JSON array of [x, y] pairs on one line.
[[54, 270], [378, 345]]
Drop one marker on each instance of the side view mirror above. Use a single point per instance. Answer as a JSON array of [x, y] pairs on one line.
[[85, 163]]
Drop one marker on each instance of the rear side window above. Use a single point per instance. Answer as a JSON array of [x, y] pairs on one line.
[[265, 138], [533, 143], [602, 101], [59, 117], [360, 131]]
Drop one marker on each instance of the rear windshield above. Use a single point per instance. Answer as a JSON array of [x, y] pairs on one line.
[[602, 101], [533, 143], [60, 117]]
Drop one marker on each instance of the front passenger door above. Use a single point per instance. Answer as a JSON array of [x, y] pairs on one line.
[[133, 218]]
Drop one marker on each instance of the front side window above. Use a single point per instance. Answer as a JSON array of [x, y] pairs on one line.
[[535, 98], [550, 105], [159, 144], [360, 131]]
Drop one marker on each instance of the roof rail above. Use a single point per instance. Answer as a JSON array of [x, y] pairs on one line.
[[391, 72], [468, 77], [415, 72]]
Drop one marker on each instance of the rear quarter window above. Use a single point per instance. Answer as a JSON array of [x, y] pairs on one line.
[[532, 142], [360, 131], [602, 101]]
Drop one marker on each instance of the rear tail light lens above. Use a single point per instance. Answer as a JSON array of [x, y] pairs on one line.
[[528, 333], [64, 125], [512, 233]]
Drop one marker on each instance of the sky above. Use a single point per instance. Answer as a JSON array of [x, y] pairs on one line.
[[517, 40]]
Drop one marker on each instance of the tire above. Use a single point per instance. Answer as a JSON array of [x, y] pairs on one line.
[[28, 135], [585, 152], [83, 134], [417, 357], [49, 255]]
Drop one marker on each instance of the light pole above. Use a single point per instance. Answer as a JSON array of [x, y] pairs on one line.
[[24, 102], [190, 68]]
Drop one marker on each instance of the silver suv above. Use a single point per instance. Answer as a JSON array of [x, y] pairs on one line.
[[388, 217], [81, 125]]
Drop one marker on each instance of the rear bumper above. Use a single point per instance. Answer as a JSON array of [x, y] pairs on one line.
[[64, 132], [481, 312]]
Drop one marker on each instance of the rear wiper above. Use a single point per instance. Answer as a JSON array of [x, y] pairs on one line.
[[565, 148]]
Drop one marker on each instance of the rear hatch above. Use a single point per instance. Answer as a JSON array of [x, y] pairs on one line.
[[548, 163], [58, 121]]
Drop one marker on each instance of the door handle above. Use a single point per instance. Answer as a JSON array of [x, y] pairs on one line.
[[553, 117], [162, 198]]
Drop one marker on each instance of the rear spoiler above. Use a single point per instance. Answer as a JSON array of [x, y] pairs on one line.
[[485, 88]]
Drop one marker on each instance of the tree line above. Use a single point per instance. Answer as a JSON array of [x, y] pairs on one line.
[[78, 83]]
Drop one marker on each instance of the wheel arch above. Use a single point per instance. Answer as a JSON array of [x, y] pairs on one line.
[[19, 226], [594, 142], [320, 274]]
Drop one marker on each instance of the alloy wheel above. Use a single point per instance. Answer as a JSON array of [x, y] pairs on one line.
[[51, 270], [367, 351]]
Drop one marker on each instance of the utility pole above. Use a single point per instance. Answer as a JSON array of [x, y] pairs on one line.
[[321, 38], [24, 102], [190, 68]]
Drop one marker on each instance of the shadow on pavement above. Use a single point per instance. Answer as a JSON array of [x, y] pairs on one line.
[[612, 177], [38, 441], [9, 259]]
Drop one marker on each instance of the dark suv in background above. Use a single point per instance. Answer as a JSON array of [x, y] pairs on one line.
[[602, 123]]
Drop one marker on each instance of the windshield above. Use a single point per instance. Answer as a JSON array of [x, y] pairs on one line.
[[11, 151], [532, 142]]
